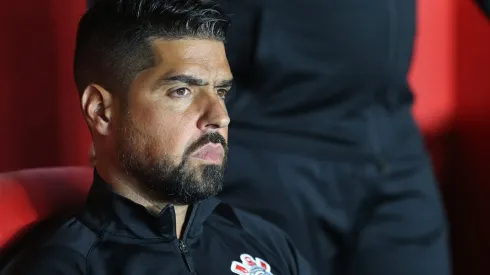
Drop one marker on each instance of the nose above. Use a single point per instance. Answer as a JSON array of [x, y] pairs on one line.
[[215, 115]]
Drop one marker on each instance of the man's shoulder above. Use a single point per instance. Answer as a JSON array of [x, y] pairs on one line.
[[65, 251], [252, 225], [52, 259], [244, 231], [268, 237], [73, 235]]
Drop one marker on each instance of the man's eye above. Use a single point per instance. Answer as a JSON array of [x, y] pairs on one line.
[[222, 93], [180, 92]]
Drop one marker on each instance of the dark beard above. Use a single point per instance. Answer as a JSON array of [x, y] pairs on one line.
[[164, 181]]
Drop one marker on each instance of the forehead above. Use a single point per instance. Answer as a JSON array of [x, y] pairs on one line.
[[206, 58]]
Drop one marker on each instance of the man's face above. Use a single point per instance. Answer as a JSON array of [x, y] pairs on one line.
[[172, 132]]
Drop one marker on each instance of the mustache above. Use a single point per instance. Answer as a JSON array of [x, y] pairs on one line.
[[207, 138]]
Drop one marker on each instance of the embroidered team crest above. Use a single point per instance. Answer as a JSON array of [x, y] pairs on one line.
[[250, 266]]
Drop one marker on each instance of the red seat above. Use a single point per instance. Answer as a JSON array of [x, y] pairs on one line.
[[28, 197]]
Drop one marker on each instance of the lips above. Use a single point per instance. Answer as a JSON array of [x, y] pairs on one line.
[[210, 152]]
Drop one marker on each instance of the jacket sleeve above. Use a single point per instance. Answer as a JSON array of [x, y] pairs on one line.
[[484, 5], [51, 261]]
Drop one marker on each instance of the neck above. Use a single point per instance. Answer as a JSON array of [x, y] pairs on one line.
[[129, 188]]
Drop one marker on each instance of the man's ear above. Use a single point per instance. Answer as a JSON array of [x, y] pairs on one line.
[[97, 108]]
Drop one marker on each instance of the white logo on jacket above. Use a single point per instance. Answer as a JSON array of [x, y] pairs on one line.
[[250, 266]]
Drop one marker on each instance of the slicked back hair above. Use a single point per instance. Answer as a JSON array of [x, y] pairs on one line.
[[114, 36]]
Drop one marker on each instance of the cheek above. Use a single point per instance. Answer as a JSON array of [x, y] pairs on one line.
[[171, 131]]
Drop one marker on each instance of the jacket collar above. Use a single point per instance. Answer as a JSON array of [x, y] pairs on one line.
[[107, 211]]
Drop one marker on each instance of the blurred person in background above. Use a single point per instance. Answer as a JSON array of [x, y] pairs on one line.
[[324, 143]]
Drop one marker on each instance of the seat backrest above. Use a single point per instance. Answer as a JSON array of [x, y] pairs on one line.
[[28, 197]]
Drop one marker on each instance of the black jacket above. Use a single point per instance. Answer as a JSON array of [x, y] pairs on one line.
[[114, 236], [322, 78]]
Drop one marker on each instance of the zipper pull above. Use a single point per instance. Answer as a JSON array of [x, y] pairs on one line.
[[182, 247]]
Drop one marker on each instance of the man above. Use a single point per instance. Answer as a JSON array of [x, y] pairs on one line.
[[323, 141], [152, 77]]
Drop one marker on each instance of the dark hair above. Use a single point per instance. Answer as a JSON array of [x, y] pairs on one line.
[[114, 36]]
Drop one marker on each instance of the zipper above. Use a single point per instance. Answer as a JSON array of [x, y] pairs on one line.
[[183, 251], [183, 244]]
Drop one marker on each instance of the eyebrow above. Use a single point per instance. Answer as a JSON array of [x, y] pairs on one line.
[[191, 80]]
